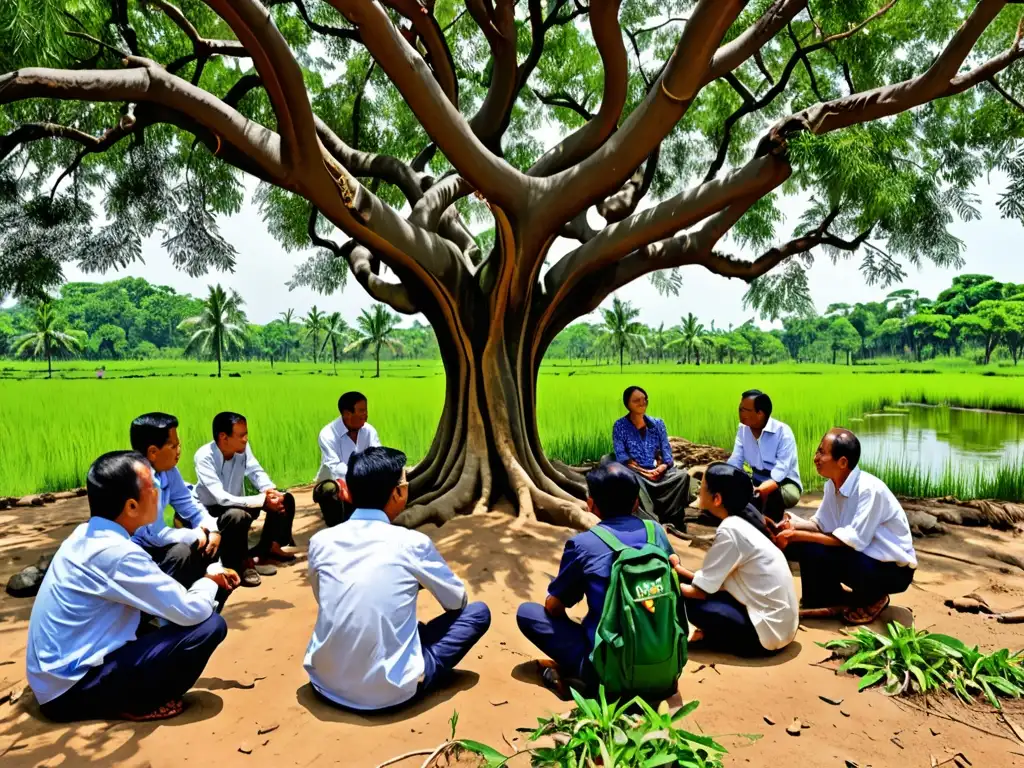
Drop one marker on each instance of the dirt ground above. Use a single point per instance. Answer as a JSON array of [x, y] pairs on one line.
[[255, 679]]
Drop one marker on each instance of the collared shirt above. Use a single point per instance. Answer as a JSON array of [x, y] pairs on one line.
[[366, 574], [865, 515], [586, 566], [221, 482], [89, 604], [771, 455], [643, 449], [746, 564], [337, 447], [174, 491]]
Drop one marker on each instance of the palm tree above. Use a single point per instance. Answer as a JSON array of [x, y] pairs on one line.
[[315, 323], [46, 337], [692, 338], [220, 328], [376, 329], [288, 316], [620, 330], [337, 331]]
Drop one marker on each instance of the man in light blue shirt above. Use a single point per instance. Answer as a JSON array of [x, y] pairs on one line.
[[83, 658], [367, 651], [769, 448]]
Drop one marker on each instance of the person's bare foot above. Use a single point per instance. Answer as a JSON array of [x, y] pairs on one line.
[[167, 711], [278, 554], [865, 614], [697, 635]]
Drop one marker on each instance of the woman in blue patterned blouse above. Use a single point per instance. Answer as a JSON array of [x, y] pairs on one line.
[[641, 443]]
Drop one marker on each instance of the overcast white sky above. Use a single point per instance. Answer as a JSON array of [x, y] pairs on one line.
[[994, 246]]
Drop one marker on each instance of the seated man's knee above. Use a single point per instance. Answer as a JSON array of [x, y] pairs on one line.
[[528, 615], [479, 614], [289, 503], [180, 554], [234, 518], [326, 491], [214, 629]]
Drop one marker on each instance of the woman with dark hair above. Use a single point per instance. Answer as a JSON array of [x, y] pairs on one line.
[[742, 600], [641, 443]]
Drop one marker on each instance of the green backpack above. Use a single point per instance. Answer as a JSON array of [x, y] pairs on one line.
[[640, 645]]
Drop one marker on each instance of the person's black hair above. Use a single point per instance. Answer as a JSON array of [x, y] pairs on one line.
[[737, 492], [348, 401], [113, 479], [225, 422], [372, 476], [762, 403], [151, 429], [629, 393], [614, 489], [846, 444]]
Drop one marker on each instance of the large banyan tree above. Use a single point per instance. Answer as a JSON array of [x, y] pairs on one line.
[[405, 140]]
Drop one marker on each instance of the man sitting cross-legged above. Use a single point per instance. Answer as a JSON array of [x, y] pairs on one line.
[[859, 537], [347, 434], [221, 469], [84, 660], [586, 571], [367, 651], [181, 553]]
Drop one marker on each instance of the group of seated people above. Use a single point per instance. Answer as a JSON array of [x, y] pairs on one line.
[[128, 614]]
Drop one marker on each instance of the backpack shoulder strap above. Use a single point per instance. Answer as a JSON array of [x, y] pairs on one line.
[[651, 536], [609, 538]]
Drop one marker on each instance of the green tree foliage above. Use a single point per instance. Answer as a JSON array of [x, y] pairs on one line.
[[336, 334], [47, 337], [377, 328], [691, 340], [620, 330], [219, 328], [313, 325]]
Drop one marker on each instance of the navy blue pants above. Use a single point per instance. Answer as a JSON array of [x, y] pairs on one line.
[[142, 675], [561, 639], [726, 624], [446, 639], [824, 569]]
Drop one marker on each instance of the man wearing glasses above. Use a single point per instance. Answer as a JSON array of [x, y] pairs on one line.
[[367, 651], [769, 448]]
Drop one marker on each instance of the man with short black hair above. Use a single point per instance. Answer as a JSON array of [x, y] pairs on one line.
[[347, 434], [83, 658], [222, 466], [613, 494], [769, 447], [367, 652], [860, 537], [181, 553]]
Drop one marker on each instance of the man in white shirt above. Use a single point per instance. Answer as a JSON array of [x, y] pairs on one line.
[[859, 537], [84, 660], [769, 447], [347, 434], [367, 651], [222, 467]]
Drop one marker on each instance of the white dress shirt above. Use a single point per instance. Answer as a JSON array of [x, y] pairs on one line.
[[337, 447], [865, 515], [774, 453], [89, 603], [366, 574], [221, 482], [746, 564]]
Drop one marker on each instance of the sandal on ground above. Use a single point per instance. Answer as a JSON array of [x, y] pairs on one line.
[[250, 578], [279, 556], [865, 614], [265, 569], [167, 711]]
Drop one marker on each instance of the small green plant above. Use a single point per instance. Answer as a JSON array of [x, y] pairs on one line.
[[599, 732], [908, 660]]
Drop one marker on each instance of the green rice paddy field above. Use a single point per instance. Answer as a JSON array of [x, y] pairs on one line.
[[51, 430]]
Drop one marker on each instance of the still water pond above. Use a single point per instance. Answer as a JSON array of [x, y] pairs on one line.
[[935, 439]]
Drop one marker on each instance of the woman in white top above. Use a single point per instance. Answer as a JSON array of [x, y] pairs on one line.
[[742, 600]]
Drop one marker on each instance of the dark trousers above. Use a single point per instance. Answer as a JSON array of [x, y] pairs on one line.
[[446, 639], [775, 504], [725, 623], [824, 569], [561, 639], [186, 564], [142, 675], [332, 508], [234, 524]]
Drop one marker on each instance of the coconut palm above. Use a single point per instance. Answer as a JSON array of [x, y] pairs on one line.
[[692, 338], [315, 323], [47, 337], [376, 329], [620, 330], [337, 331], [288, 316], [220, 328]]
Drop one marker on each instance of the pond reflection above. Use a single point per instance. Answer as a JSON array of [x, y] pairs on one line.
[[935, 438]]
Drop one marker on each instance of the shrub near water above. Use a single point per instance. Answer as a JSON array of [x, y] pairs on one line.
[[50, 431]]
